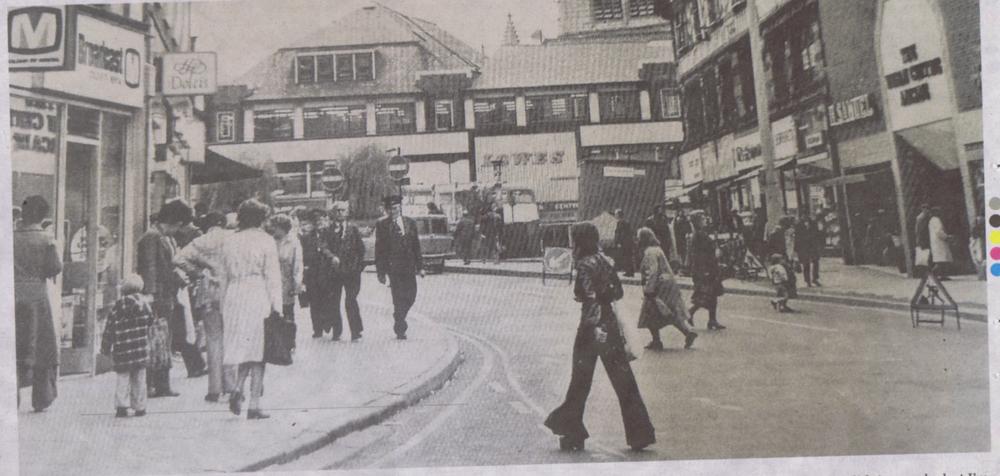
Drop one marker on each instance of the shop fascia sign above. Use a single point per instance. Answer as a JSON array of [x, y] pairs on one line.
[[524, 159], [109, 64], [623, 172], [40, 38], [748, 149], [913, 78], [854, 109], [189, 74]]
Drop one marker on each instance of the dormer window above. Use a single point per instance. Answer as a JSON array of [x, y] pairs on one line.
[[335, 67]]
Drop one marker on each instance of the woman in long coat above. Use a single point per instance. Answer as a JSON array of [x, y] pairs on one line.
[[662, 304], [941, 255], [705, 274], [598, 336], [251, 278], [36, 263]]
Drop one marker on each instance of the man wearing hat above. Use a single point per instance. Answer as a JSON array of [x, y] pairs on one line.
[[397, 255]]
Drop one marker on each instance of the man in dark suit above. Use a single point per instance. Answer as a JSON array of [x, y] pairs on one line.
[[625, 241], [397, 255], [316, 275], [343, 247]]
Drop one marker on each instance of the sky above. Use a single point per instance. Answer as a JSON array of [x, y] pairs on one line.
[[227, 27]]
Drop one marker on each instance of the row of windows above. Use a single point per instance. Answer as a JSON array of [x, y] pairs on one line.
[[352, 120], [793, 58], [694, 18], [323, 68], [612, 9], [721, 95], [300, 178]]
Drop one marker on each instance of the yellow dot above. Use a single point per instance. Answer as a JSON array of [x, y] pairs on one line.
[[995, 237]]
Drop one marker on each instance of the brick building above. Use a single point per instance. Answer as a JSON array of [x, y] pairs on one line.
[[829, 71], [572, 122]]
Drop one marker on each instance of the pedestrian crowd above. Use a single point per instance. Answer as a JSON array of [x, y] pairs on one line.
[[206, 282]]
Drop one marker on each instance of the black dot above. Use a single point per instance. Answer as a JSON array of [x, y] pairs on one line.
[[995, 221]]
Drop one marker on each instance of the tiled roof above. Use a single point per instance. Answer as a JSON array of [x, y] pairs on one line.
[[568, 64], [395, 37]]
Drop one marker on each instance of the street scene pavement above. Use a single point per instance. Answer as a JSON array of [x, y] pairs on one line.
[[827, 380]]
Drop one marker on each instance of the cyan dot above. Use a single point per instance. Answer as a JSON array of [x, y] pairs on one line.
[[995, 269]]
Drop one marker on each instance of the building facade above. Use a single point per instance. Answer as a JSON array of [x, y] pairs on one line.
[[529, 118], [833, 89], [80, 138]]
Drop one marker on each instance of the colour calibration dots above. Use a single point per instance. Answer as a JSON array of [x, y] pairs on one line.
[[994, 237]]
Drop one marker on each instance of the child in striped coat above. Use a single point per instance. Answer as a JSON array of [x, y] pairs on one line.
[[126, 340]]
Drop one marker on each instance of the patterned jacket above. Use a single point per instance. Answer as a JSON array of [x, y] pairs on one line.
[[126, 335]]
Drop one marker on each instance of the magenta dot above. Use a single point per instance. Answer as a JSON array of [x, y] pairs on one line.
[[995, 253]]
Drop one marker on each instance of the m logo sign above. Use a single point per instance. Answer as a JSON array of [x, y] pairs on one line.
[[38, 38]]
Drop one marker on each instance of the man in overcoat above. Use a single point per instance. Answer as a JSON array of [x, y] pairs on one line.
[[316, 275], [398, 257], [345, 251]]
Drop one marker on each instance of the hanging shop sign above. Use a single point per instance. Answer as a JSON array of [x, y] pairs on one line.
[[109, 64], [691, 172], [811, 125], [854, 109], [189, 74], [912, 56], [40, 38]]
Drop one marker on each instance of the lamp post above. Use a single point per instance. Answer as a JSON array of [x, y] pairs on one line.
[[772, 199]]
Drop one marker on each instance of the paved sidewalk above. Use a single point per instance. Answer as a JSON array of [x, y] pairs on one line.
[[857, 285], [333, 388]]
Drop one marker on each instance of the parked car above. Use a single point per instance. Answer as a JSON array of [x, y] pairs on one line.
[[435, 241]]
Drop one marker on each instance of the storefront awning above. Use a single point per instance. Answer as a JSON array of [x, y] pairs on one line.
[[843, 180], [749, 174], [218, 168], [935, 141], [780, 164]]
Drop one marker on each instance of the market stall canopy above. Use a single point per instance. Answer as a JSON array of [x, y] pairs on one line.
[[218, 168]]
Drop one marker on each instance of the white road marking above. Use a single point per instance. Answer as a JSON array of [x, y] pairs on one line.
[[783, 323], [519, 407], [430, 428], [712, 403], [497, 387]]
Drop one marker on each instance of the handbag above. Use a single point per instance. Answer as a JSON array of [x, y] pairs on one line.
[[922, 257], [159, 344], [279, 340], [629, 339]]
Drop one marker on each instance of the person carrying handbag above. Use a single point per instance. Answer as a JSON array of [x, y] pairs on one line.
[[599, 336], [662, 304]]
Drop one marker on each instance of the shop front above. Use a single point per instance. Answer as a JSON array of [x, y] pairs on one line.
[[77, 140]]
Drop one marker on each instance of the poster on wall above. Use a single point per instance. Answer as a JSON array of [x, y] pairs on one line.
[[691, 171]]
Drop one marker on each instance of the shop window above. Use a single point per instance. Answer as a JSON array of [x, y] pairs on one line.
[[606, 9], [496, 112], [641, 8], [670, 103], [557, 109], [619, 106], [335, 121], [292, 177], [273, 125], [444, 114], [225, 127], [395, 118], [335, 67], [83, 122]]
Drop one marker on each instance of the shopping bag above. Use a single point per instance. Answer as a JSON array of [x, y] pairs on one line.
[[279, 340], [923, 257], [184, 301], [629, 335]]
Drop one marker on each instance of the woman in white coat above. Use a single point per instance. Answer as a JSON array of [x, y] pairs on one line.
[[251, 280], [940, 244]]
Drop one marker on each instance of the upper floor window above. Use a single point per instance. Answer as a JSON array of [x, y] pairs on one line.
[[641, 8], [670, 103], [395, 118], [495, 112], [273, 124], [811, 52], [225, 126], [335, 121], [619, 106], [444, 114], [607, 9], [711, 12], [560, 108], [313, 68], [685, 24]]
